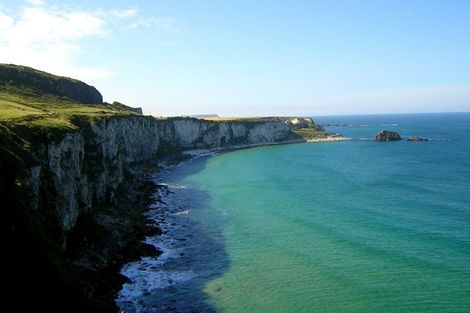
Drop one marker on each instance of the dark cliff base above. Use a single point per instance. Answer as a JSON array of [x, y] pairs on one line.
[[104, 240], [39, 275], [71, 205]]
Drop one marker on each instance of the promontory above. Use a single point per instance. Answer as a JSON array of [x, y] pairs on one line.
[[74, 189]]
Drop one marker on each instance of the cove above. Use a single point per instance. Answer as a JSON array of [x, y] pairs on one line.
[[353, 226]]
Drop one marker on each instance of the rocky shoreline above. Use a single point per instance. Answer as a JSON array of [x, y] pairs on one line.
[[329, 139], [158, 214], [102, 244], [76, 179]]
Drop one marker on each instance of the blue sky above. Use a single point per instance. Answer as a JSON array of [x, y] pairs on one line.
[[248, 58]]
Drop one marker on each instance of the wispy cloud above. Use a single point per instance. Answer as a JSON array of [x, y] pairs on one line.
[[122, 14], [52, 37], [168, 24], [35, 2]]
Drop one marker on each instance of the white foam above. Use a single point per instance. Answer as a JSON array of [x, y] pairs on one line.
[[146, 280], [148, 275], [388, 125], [151, 274], [177, 186]]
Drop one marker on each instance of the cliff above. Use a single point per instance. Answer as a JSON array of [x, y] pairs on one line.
[[86, 166], [33, 83], [70, 180]]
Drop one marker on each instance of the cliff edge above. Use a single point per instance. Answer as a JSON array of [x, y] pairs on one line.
[[72, 177], [31, 82]]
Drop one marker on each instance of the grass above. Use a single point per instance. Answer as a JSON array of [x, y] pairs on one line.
[[12, 110], [54, 112], [28, 70], [246, 119], [29, 121], [311, 133], [32, 98], [231, 119]]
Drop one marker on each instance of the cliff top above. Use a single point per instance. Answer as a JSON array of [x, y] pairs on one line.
[[291, 119], [39, 100], [35, 98], [34, 83], [22, 110]]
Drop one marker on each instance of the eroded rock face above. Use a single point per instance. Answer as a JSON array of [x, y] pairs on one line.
[[386, 135], [86, 167]]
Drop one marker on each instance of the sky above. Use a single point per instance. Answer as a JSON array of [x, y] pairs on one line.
[[251, 58]]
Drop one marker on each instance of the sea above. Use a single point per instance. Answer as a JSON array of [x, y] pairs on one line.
[[354, 226]]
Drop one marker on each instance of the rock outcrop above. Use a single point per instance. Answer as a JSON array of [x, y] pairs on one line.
[[386, 135], [38, 82], [71, 217], [86, 167], [68, 180]]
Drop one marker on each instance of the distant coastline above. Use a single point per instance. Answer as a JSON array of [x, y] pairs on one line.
[[70, 164]]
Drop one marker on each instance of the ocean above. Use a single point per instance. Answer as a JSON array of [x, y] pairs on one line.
[[356, 226]]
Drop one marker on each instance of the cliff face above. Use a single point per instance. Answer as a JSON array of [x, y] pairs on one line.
[[72, 210], [86, 167], [189, 133], [73, 184]]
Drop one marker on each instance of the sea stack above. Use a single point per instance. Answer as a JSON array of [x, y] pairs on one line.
[[386, 135]]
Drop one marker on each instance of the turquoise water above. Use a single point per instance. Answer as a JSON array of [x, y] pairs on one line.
[[358, 226]]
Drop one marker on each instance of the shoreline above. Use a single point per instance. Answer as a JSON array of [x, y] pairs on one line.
[[169, 213], [164, 216], [202, 152], [329, 139], [100, 264]]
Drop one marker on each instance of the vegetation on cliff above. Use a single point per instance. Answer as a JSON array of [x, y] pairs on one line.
[[30, 82], [52, 111], [33, 109], [72, 212], [36, 109]]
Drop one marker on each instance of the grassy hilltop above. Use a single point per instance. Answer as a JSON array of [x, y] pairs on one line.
[[37, 110], [37, 106], [24, 101]]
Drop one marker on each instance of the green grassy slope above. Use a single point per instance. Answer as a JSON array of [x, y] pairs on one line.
[[40, 275], [30, 82], [16, 108]]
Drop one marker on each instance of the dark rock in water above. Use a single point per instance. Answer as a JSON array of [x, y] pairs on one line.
[[386, 135], [149, 250], [417, 138], [151, 230]]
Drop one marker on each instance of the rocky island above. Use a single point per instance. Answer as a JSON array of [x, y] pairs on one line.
[[74, 188], [386, 135]]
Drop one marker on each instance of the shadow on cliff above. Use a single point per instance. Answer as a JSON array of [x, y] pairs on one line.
[[199, 245], [35, 273]]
